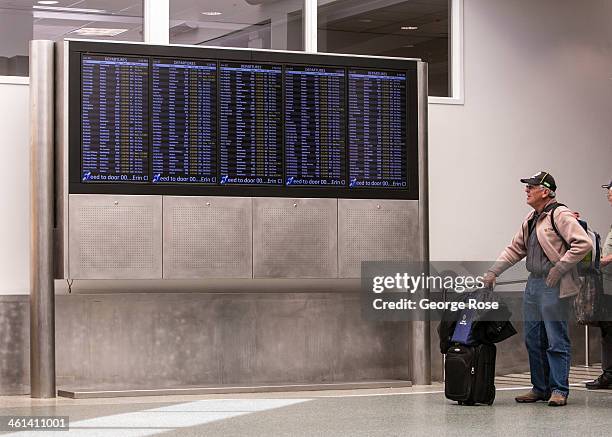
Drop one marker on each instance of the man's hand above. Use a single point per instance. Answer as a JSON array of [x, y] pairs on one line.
[[606, 260], [489, 280], [554, 276]]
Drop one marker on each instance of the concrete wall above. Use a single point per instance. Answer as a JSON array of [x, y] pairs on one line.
[[14, 345], [122, 341]]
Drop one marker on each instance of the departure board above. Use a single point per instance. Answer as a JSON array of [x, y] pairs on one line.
[[315, 140], [114, 119], [377, 129], [205, 121], [250, 131], [184, 119]]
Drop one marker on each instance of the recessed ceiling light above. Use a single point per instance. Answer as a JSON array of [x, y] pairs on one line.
[[47, 2], [63, 9], [212, 13], [409, 46], [410, 27], [365, 20], [96, 31]]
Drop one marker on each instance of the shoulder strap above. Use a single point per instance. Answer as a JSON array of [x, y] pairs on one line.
[[552, 207]]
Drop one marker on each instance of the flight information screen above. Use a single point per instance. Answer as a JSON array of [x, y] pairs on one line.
[[184, 119], [377, 129], [114, 119], [250, 131], [201, 121], [315, 138]]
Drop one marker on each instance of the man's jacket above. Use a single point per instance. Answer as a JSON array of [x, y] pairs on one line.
[[488, 326], [552, 246]]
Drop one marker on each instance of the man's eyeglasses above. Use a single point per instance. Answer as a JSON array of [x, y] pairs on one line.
[[532, 187]]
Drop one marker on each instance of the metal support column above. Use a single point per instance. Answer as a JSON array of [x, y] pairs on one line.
[[310, 26], [587, 342], [156, 21], [42, 292], [421, 345]]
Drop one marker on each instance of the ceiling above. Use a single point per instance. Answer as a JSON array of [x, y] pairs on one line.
[[125, 7], [49, 22]]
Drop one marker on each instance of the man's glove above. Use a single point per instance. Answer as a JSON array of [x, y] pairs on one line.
[[554, 276], [489, 280]]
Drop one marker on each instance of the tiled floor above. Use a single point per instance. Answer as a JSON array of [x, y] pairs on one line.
[[414, 411], [578, 375], [418, 412]]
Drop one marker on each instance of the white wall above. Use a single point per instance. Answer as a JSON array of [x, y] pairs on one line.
[[538, 96], [14, 189]]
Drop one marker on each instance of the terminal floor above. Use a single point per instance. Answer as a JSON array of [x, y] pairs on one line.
[[417, 411]]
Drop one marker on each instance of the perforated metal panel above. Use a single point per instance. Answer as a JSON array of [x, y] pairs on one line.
[[376, 230], [208, 237], [295, 238], [115, 237]]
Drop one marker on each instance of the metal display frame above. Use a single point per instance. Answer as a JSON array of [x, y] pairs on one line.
[[67, 128]]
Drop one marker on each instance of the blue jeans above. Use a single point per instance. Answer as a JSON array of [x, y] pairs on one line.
[[546, 337]]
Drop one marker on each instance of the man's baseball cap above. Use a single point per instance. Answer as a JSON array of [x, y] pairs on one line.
[[543, 178], [607, 186]]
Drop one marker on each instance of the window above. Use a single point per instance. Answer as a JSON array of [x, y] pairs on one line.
[[21, 21], [260, 24], [410, 29], [427, 29]]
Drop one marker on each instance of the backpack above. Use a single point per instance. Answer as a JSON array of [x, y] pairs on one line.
[[590, 264], [589, 305]]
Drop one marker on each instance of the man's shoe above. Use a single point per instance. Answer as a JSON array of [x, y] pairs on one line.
[[603, 381], [529, 397], [557, 400]]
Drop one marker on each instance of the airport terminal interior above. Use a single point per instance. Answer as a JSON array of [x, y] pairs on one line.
[[285, 217]]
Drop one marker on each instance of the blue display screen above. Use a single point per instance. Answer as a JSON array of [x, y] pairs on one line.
[[167, 123], [114, 119], [315, 126]]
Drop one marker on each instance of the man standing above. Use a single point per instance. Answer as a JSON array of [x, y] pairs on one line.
[[605, 379], [553, 277]]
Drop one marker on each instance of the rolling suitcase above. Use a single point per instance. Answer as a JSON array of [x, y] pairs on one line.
[[469, 367], [470, 374]]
